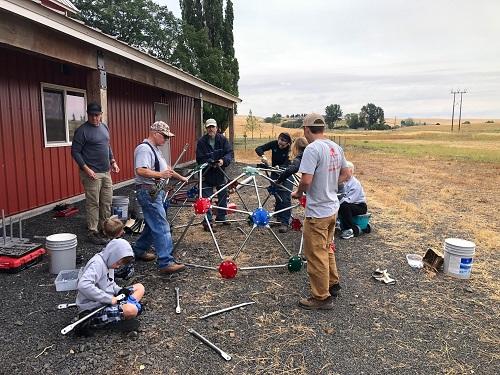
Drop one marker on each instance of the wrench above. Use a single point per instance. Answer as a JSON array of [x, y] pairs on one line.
[[70, 327], [65, 305], [222, 353], [178, 307]]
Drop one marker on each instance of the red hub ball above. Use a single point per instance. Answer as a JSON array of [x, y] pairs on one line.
[[228, 269]]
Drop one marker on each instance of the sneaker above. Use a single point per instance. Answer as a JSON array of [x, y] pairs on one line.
[[283, 228], [125, 325], [335, 290], [173, 268], [95, 238], [346, 234], [146, 257], [312, 303]]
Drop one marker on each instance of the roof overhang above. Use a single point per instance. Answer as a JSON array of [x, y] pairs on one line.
[[61, 24]]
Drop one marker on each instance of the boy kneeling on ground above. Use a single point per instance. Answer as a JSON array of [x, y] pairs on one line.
[[97, 287]]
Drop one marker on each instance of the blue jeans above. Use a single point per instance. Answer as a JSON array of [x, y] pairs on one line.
[[284, 201], [156, 230], [221, 201]]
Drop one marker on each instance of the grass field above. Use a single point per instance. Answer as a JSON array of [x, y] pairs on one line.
[[431, 183]]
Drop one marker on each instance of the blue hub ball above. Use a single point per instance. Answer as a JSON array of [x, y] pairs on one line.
[[260, 217]]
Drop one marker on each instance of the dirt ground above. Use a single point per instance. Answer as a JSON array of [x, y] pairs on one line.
[[422, 324]]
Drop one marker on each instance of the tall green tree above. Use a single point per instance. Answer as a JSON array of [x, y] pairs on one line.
[[352, 121], [192, 13], [143, 24], [214, 21], [333, 114], [230, 61], [372, 117]]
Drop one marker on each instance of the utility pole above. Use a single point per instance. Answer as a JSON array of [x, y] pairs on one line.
[[453, 110], [460, 113]]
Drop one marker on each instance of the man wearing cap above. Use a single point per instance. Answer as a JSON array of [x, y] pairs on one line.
[[92, 152], [213, 148], [280, 149], [323, 167], [150, 166]]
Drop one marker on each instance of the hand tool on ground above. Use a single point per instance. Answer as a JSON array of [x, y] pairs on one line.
[[221, 352], [70, 327], [226, 309], [178, 307], [65, 305]]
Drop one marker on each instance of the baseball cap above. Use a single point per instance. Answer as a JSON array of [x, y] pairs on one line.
[[163, 128], [285, 136], [313, 119], [210, 122], [94, 108]]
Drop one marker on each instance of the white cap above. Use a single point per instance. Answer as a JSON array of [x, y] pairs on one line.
[[210, 122]]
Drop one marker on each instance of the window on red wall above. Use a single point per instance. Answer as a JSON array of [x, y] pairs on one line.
[[63, 110]]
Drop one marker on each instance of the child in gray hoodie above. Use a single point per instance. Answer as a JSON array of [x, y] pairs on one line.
[[96, 286]]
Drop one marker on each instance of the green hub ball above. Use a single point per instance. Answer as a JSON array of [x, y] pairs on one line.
[[295, 264]]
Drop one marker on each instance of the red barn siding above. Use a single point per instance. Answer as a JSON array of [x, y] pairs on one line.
[[32, 175], [130, 113]]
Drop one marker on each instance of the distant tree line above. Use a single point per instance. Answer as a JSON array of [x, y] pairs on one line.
[[370, 117], [201, 43]]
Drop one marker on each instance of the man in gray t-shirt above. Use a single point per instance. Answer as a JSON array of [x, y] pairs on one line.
[[323, 166]]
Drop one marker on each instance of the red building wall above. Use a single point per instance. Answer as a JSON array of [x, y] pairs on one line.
[[32, 175]]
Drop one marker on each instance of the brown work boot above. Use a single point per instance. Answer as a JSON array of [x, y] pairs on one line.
[[312, 303], [172, 268], [146, 257], [207, 229]]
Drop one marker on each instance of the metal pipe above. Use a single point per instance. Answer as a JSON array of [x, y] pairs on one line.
[[20, 228], [244, 242], [256, 191], [281, 243], [183, 233], [213, 237], [200, 266], [226, 309], [3, 227], [221, 352], [284, 209], [263, 267], [225, 186], [232, 209]]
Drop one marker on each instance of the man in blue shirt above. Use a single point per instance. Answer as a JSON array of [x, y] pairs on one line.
[[92, 152]]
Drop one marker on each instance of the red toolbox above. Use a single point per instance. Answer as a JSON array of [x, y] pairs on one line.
[[13, 264]]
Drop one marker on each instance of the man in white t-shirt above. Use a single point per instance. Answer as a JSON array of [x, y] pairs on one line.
[[323, 167]]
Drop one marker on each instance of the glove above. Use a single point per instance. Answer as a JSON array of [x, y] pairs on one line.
[[263, 160], [125, 291]]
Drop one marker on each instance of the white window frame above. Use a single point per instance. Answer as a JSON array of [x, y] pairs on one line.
[[65, 90]]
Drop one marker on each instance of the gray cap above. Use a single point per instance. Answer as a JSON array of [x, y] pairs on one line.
[[163, 128], [313, 119], [210, 122]]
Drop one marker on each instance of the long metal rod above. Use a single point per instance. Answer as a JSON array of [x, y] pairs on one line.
[[283, 210], [301, 243], [257, 191], [244, 242], [20, 228], [232, 209], [178, 211], [225, 186], [213, 237], [183, 233], [200, 266], [281, 243], [3, 227], [226, 309], [262, 267], [221, 352]]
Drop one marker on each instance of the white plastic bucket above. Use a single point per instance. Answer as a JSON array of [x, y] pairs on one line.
[[62, 251], [119, 207], [458, 257]]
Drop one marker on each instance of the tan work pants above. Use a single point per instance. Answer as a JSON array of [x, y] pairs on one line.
[[98, 197], [321, 265]]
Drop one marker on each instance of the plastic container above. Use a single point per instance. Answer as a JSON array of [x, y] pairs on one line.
[[458, 257], [119, 206], [67, 280], [414, 260], [362, 220], [62, 252]]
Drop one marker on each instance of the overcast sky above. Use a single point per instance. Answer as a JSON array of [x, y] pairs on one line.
[[298, 56]]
